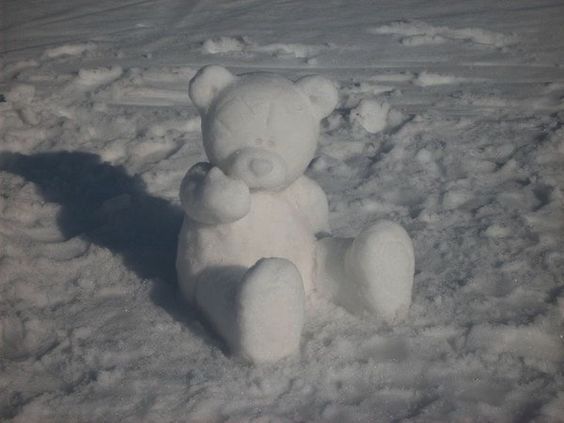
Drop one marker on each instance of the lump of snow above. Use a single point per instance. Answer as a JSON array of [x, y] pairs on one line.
[[456, 198], [372, 115], [69, 50], [424, 156], [97, 76], [21, 93], [221, 45], [429, 34], [424, 39], [426, 79], [497, 231], [22, 339], [225, 45], [300, 51]]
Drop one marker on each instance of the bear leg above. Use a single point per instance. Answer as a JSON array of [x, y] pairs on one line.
[[260, 316], [381, 259], [372, 272]]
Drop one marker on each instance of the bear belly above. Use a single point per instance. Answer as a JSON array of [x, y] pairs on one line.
[[273, 228]]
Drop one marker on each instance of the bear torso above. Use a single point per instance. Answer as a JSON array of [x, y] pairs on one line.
[[274, 227]]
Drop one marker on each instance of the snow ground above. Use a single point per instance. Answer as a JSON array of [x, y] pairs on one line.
[[97, 131]]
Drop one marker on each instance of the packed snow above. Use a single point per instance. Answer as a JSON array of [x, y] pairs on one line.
[[251, 217], [97, 132]]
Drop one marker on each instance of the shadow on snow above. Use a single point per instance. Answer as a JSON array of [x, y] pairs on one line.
[[110, 208]]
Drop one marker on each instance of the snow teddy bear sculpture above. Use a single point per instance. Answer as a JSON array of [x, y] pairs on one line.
[[248, 256]]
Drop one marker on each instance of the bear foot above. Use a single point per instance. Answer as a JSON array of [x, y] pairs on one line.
[[381, 261], [270, 310]]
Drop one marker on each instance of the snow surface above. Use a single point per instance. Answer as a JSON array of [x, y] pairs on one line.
[[97, 132]]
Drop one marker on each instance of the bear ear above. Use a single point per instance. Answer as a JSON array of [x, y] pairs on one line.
[[321, 92], [207, 84]]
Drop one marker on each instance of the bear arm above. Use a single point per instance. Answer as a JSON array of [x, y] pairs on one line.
[[208, 196], [311, 201]]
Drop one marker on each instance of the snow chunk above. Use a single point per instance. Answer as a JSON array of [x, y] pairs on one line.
[[455, 198], [497, 231], [13, 68], [163, 74], [428, 34], [222, 45], [98, 76], [372, 115], [242, 44], [155, 148], [21, 93], [121, 92], [424, 156], [180, 125], [419, 40], [69, 50], [393, 77], [300, 51], [22, 339], [426, 79]]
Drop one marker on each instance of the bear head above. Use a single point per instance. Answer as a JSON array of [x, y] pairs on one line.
[[260, 127]]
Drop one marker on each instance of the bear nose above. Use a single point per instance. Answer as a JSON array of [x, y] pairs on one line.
[[261, 167]]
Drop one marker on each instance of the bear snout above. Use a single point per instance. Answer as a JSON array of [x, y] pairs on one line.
[[261, 167], [258, 168]]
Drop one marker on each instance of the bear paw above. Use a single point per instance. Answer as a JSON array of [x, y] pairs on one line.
[[209, 196]]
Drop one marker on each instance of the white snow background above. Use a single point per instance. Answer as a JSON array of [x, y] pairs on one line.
[[450, 122]]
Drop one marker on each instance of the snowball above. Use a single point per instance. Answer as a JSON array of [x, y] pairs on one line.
[[371, 115]]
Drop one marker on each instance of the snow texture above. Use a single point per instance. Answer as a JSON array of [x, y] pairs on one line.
[[93, 327], [244, 45], [371, 115], [418, 33]]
